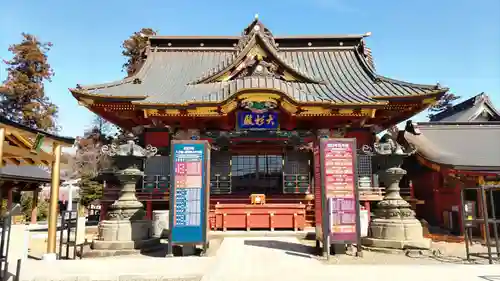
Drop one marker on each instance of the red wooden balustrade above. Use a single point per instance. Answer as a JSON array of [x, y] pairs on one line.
[[281, 202]]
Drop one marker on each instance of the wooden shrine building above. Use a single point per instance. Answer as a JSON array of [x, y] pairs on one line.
[[458, 148], [262, 101], [23, 146], [16, 179]]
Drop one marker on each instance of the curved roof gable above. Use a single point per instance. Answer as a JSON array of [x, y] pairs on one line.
[[469, 110], [255, 37]]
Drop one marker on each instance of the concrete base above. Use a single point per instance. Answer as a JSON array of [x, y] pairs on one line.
[[396, 229], [125, 230], [397, 234], [122, 237], [124, 245], [120, 248], [49, 257]]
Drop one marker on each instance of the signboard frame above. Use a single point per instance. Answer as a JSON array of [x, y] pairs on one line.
[[205, 190], [326, 227]]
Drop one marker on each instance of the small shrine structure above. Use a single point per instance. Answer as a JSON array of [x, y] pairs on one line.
[[24, 146], [458, 148]]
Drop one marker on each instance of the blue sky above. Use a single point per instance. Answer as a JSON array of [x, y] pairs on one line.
[[455, 42]]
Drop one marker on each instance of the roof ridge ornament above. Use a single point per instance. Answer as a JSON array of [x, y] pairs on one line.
[[257, 53]]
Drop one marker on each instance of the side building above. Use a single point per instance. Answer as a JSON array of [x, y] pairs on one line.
[[262, 101], [458, 148]]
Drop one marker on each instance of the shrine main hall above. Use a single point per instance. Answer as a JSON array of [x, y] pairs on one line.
[[262, 101]]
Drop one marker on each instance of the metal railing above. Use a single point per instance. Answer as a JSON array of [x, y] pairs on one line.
[[69, 226], [380, 192], [5, 243]]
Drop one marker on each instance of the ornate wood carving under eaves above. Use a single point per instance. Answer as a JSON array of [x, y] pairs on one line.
[[259, 67]]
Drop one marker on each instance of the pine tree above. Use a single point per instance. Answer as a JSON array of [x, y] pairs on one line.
[[22, 97], [133, 49], [445, 102]]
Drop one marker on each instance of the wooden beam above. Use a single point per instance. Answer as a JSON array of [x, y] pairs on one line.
[[27, 133], [15, 151], [18, 140], [12, 161]]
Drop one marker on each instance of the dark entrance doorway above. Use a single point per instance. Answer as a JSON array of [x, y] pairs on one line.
[[261, 174]]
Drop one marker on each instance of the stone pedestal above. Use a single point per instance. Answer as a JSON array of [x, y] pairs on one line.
[[395, 225], [125, 230]]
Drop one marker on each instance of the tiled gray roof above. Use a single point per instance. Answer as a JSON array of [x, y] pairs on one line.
[[468, 110], [167, 77], [469, 145], [25, 172]]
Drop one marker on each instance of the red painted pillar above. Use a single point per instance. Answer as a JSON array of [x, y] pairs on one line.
[[435, 196], [149, 209], [104, 209], [367, 207]]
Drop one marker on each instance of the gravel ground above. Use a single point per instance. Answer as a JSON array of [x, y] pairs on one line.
[[441, 253]]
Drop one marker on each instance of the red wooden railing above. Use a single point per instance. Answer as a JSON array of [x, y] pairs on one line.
[[371, 194]]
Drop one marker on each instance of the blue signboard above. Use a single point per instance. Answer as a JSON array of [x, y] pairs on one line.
[[257, 121], [188, 193]]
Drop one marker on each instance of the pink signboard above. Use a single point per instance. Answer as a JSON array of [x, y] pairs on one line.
[[340, 189]]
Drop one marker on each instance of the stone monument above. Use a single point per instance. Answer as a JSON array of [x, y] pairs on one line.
[[125, 229], [395, 224]]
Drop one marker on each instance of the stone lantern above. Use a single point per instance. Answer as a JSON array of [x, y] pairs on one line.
[[125, 227], [395, 224]]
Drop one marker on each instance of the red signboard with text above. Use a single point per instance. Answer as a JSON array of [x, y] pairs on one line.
[[340, 188], [339, 198]]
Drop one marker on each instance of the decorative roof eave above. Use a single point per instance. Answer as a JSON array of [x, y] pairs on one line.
[[430, 96], [282, 96], [455, 124], [257, 39], [20, 131], [87, 98], [481, 101], [436, 90], [438, 167], [84, 92]]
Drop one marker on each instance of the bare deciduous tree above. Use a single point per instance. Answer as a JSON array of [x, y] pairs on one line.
[[89, 160]]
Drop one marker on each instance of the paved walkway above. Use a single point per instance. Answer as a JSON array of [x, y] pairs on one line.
[[250, 258], [116, 268], [241, 259]]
